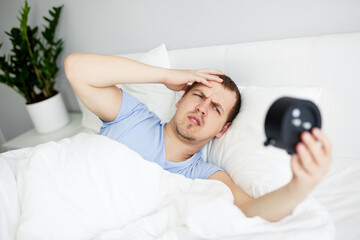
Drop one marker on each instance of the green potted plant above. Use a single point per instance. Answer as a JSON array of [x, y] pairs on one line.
[[30, 69]]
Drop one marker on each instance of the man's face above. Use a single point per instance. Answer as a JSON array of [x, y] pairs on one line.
[[202, 113]]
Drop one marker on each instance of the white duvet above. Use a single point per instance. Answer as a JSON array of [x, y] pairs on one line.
[[91, 187]]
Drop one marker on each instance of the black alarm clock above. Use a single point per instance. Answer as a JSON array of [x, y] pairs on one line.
[[287, 118]]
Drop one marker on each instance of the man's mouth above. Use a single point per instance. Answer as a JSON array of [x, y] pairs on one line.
[[194, 120]]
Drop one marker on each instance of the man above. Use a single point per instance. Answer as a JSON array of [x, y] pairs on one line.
[[202, 113]]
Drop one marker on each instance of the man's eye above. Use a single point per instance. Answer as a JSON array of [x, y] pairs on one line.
[[216, 109], [198, 95]]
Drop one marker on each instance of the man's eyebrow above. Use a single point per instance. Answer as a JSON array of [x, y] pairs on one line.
[[218, 105]]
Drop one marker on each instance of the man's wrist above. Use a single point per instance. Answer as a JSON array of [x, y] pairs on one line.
[[295, 189], [165, 75]]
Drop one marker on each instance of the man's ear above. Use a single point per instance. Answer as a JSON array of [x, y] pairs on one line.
[[223, 130]]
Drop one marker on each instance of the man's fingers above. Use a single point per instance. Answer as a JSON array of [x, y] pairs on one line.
[[326, 148], [320, 135], [311, 161], [210, 77], [306, 159], [203, 81], [215, 78], [297, 169], [316, 151]]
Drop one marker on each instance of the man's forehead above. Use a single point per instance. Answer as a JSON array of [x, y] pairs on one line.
[[218, 93], [217, 89]]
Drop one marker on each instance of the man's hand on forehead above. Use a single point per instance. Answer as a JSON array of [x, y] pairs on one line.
[[190, 85], [178, 80]]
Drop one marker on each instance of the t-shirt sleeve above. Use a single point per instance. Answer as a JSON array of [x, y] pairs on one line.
[[204, 170], [135, 126], [128, 106]]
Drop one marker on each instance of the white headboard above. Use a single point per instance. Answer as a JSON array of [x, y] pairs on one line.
[[331, 62]]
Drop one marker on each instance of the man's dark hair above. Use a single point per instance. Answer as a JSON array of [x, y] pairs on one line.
[[228, 84]]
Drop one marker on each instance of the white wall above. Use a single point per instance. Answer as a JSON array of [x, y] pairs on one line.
[[124, 26], [2, 140]]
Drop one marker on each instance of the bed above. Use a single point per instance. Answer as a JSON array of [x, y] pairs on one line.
[[91, 187]]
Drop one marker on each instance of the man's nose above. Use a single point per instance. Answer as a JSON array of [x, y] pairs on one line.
[[203, 108]]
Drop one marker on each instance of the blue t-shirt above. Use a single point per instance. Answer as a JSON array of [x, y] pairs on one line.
[[142, 131]]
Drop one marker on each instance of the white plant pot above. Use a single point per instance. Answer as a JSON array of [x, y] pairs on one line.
[[48, 115]]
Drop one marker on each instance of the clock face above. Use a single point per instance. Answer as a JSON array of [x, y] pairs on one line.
[[287, 118], [299, 119]]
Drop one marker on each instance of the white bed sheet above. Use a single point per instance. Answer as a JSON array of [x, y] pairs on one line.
[[339, 192], [91, 187]]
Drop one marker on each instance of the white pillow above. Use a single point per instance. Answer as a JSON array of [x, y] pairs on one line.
[[241, 152], [157, 97]]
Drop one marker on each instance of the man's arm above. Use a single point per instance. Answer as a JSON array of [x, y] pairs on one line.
[[93, 78], [309, 165], [240, 197], [272, 206]]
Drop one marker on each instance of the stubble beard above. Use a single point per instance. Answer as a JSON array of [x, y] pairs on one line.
[[183, 133]]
